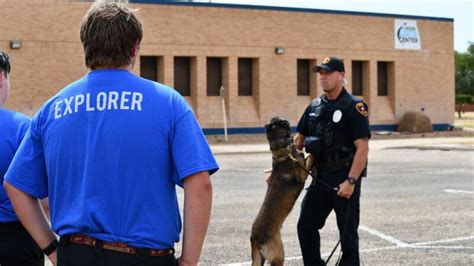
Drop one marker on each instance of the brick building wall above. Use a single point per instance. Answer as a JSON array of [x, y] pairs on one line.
[[51, 57]]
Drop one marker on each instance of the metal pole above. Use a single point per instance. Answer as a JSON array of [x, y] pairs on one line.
[[221, 92]]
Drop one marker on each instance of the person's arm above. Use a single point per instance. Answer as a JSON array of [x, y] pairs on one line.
[[302, 129], [299, 141], [45, 204], [197, 212], [32, 217], [358, 165]]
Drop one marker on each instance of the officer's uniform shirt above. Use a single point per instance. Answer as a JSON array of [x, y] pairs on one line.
[[353, 122], [13, 127], [109, 150], [355, 119]]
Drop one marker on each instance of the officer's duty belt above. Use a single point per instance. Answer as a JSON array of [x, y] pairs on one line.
[[335, 162], [115, 246]]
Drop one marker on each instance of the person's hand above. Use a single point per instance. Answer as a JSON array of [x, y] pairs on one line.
[[269, 177], [53, 258], [345, 189], [299, 141]]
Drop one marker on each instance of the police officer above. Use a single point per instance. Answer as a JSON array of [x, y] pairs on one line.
[[109, 150], [17, 248], [335, 130]]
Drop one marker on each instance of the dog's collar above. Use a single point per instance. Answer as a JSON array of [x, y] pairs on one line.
[[281, 155], [284, 154]]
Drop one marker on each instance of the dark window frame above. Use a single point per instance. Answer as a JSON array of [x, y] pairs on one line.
[[303, 77], [214, 75], [382, 78], [149, 67], [245, 76], [358, 78], [182, 75]]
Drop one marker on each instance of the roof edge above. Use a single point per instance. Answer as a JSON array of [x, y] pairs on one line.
[[291, 9]]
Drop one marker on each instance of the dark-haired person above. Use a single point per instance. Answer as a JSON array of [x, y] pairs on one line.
[[109, 150], [335, 130], [17, 248]]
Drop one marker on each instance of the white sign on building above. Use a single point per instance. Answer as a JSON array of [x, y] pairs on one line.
[[407, 35]]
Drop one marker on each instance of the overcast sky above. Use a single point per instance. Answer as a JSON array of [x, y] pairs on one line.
[[462, 11]]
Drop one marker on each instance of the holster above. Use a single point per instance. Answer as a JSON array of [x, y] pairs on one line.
[[335, 162], [338, 164]]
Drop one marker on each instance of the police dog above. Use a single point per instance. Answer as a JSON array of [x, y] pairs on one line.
[[286, 182]]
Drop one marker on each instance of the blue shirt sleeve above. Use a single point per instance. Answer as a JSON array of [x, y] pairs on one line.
[[27, 172], [302, 127], [23, 129], [190, 151], [359, 121]]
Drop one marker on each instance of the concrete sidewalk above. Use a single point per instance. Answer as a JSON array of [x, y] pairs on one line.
[[444, 143]]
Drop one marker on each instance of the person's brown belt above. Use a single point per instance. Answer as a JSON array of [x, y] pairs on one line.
[[116, 246]]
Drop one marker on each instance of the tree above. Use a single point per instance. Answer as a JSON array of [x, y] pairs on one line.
[[464, 63]]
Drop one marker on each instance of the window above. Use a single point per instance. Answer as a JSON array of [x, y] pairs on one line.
[[303, 76], [149, 67], [357, 78], [182, 75], [214, 76], [245, 76], [382, 79]]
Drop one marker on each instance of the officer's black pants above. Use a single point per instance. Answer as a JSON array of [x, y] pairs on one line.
[[317, 204], [17, 248], [73, 254]]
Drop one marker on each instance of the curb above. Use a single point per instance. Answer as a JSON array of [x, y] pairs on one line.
[[444, 144]]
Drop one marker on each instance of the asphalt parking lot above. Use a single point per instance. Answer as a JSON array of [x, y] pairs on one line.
[[417, 208], [417, 205]]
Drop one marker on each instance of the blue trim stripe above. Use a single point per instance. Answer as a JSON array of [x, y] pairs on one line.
[[232, 131], [261, 130], [291, 9], [441, 127], [383, 127]]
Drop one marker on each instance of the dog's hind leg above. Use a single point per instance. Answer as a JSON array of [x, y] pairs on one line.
[[275, 254], [257, 258]]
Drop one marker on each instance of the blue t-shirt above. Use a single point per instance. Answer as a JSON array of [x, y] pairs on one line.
[[13, 127], [109, 150]]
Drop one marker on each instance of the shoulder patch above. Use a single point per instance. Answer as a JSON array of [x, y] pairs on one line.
[[360, 107]]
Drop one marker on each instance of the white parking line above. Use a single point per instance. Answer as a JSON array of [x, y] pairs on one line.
[[442, 247], [384, 236], [322, 255], [444, 241], [398, 244], [455, 191]]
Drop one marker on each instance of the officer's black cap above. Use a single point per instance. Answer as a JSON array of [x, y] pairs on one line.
[[4, 61], [330, 64]]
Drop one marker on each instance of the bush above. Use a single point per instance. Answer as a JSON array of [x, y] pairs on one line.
[[464, 98]]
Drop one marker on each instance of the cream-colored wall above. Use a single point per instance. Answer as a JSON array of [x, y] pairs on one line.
[[51, 57]]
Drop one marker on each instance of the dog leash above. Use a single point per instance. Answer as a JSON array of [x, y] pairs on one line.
[[309, 172], [343, 234]]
